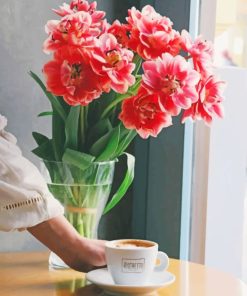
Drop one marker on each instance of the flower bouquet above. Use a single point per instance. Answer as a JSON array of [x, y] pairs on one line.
[[107, 83]]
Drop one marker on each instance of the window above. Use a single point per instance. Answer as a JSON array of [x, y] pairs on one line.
[[219, 216]]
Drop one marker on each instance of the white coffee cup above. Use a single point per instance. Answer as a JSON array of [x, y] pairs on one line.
[[132, 261]]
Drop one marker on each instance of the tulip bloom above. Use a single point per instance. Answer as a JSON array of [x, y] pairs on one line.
[[70, 75], [151, 34], [200, 51], [174, 80], [143, 113], [209, 103], [109, 58]]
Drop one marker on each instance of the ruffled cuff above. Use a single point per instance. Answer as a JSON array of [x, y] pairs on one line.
[[22, 214], [25, 200]]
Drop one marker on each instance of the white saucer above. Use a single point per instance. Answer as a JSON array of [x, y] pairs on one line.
[[103, 279]]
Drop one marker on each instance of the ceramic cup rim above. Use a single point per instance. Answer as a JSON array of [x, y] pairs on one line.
[[112, 244]]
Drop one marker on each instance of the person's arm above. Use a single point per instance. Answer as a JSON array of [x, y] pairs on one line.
[[60, 237], [26, 203]]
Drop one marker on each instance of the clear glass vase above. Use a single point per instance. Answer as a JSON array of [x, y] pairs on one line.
[[83, 192]]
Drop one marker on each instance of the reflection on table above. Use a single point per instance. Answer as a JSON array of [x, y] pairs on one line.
[[27, 274]]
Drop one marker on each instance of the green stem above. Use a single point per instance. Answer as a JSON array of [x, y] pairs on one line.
[[80, 283], [70, 218], [132, 91], [72, 286], [87, 224], [85, 118], [95, 203], [138, 62], [83, 125], [75, 194], [80, 224], [114, 103]]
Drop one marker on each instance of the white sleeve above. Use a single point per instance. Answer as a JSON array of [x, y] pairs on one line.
[[25, 200]]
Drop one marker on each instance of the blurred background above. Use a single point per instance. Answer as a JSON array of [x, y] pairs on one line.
[[231, 33]]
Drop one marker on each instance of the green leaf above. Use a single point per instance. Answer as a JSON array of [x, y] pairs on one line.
[[101, 128], [78, 159], [128, 179], [96, 107], [71, 128], [39, 138], [138, 61], [55, 102], [134, 88], [125, 141], [100, 144], [109, 150], [62, 193], [45, 150], [65, 106], [46, 113], [58, 136]]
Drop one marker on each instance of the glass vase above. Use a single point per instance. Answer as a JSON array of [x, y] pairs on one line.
[[83, 192]]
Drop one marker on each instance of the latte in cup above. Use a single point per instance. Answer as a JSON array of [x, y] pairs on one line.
[[132, 261], [133, 244]]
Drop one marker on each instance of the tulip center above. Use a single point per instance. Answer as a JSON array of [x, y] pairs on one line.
[[75, 75], [113, 57], [147, 109], [64, 27], [170, 85]]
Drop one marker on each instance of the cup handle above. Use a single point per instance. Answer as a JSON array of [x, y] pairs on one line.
[[164, 261]]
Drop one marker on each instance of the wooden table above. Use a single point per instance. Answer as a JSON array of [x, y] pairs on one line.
[[27, 274]]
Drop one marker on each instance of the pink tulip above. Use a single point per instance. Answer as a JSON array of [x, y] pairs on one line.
[[143, 113], [120, 31], [151, 34], [209, 103], [174, 80], [69, 75], [81, 5], [75, 30], [109, 58], [200, 51]]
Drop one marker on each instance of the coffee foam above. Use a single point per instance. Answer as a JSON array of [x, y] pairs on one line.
[[132, 244]]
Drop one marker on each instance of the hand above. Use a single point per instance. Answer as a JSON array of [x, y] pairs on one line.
[[60, 237], [91, 255]]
